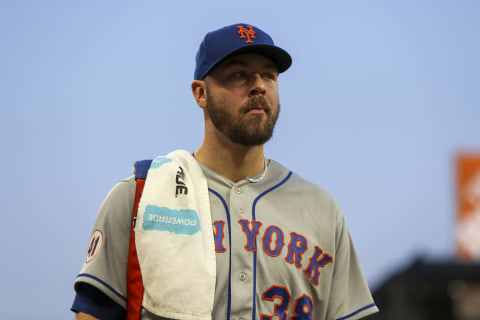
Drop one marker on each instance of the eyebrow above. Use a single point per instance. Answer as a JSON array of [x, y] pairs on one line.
[[234, 62], [243, 63]]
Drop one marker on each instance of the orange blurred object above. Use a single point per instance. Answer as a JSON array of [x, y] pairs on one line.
[[468, 199]]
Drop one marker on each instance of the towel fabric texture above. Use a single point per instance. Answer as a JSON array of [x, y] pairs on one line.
[[174, 239]]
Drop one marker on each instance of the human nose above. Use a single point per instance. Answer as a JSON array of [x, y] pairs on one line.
[[257, 86]]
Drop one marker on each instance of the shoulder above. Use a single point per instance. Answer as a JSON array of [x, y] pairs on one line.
[[123, 187], [123, 190], [308, 200], [117, 206], [302, 187]]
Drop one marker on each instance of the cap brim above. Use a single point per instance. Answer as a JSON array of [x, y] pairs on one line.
[[280, 57]]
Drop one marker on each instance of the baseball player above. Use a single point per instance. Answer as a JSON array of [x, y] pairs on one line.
[[281, 249]]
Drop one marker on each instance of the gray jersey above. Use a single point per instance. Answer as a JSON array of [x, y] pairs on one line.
[[282, 250]]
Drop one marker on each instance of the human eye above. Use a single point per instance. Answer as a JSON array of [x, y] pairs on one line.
[[237, 78], [270, 75], [238, 75]]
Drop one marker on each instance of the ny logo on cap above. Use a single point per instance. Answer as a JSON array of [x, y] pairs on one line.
[[246, 33]]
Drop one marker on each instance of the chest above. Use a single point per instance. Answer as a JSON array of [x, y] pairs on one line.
[[271, 247]]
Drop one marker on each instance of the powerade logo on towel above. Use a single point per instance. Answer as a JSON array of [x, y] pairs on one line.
[[159, 161], [175, 221]]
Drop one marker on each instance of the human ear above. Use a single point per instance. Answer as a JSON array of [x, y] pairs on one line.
[[199, 93]]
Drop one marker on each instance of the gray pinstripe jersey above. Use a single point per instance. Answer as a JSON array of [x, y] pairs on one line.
[[283, 250]]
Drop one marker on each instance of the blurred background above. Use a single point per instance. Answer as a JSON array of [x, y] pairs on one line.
[[379, 107]]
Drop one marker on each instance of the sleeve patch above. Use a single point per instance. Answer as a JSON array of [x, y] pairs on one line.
[[94, 245]]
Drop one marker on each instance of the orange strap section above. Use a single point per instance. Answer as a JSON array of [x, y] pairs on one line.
[[134, 276]]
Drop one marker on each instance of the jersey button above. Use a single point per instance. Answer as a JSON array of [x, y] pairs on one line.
[[242, 276], [241, 210], [238, 190]]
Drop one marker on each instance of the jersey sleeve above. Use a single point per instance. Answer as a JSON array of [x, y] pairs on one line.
[[94, 302], [105, 265], [350, 297]]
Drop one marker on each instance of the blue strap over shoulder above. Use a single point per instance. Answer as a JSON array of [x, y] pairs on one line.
[[141, 168]]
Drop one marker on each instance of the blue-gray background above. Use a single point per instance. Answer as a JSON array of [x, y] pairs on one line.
[[380, 98]]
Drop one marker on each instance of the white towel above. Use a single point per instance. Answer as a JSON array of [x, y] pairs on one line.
[[174, 239]]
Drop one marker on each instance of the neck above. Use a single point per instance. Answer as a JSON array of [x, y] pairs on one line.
[[231, 160]]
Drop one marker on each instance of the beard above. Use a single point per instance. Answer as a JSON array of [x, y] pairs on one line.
[[241, 128]]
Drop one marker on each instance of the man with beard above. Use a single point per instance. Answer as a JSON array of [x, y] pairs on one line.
[[242, 237]]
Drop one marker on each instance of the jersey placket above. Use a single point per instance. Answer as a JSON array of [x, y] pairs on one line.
[[242, 255]]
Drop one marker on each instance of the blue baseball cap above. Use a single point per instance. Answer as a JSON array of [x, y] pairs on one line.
[[235, 39]]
